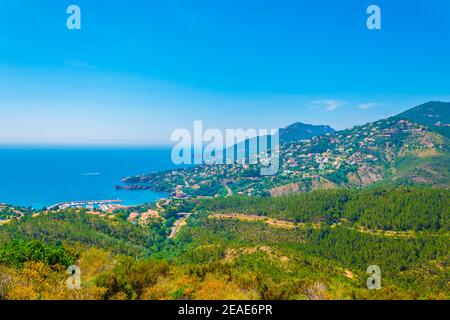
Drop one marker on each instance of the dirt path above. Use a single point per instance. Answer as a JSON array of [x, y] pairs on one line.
[[243, 217], [397, 234]]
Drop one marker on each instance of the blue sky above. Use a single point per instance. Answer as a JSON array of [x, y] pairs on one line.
[[137, 70]]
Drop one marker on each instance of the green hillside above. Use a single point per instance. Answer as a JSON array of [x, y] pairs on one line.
[[393, 151], [74, 227], [434, 114], [294, 132], [302, 131], [395, 209], [375, 194], [312, 246]]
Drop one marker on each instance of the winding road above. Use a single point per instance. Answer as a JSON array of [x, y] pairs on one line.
[[230, 192], [177, 226]]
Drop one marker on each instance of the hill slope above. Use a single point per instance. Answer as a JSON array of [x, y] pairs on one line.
[[435, 115], [390, 151], [294, 132], [302, 131], [78, 228], [316, 245]]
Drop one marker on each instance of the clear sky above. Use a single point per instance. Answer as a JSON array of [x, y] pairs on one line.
[[137, 70]]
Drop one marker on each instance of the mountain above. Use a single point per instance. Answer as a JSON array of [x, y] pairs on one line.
[[393, 151], [302, 131], [294, 132], [310, 245], [434, 114]]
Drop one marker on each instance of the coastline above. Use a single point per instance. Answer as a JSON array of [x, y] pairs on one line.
[[43, 177]]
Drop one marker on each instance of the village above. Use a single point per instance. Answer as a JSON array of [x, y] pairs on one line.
[[358, 156]]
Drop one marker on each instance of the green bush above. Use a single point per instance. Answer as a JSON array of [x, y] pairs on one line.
[[15, 253]]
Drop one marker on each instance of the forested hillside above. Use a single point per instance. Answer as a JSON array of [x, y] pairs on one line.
[[310, 246], [409, 149], [404, 208]]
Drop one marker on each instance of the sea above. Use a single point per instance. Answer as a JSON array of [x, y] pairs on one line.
[[39, 177]]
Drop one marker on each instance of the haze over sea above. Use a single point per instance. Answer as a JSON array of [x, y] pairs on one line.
[[40, 177]]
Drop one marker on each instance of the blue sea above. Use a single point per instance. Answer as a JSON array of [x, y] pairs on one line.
[[39, 177]]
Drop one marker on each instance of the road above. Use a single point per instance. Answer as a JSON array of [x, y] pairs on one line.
[[230, 192], [177, 226]]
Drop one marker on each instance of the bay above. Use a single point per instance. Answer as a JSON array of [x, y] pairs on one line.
[[42, 176]]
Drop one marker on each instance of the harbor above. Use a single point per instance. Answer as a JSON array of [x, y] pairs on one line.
[[103, 205]]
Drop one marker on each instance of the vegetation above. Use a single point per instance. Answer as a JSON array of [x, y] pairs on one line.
[[409, 149], [400, 209], [75, 227], [433, 114], [16, 252], [376, 194], [322, 250]]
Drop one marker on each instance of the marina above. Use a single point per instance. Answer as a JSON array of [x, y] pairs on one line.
[[103, 205]]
